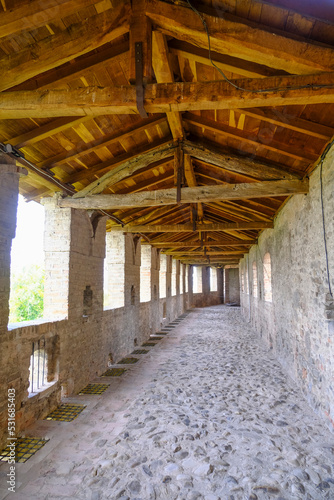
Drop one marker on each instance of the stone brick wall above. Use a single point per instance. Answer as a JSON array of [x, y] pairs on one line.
[[81, 344], [296, 324]]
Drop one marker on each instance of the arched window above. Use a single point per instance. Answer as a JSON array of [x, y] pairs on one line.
[[267, 278], [254, 279]]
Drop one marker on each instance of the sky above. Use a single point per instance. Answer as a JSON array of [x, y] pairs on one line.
[[27, 246]]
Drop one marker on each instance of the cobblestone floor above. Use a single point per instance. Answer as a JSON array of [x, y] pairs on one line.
[[207, 414]]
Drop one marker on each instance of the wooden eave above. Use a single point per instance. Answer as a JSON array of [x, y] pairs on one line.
[[68, 103]]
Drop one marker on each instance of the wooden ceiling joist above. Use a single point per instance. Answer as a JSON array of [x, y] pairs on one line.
[[242, 39], [162, 98]]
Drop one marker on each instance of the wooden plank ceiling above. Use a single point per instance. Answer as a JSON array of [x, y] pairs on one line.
[[195, 150]]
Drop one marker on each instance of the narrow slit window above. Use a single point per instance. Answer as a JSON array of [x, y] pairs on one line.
[[267, 278], [254, 280]]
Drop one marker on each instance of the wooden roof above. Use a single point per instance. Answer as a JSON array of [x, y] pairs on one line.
[[195, 149]]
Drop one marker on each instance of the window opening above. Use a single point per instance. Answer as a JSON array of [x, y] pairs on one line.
[[145, 274], [213, 279], [267, 277], [173, 277], [197, 279], [162, 276], [38, 367], [254, 280]]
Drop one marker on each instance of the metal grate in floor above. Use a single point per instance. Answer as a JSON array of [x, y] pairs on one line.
[[149, 344], [114, 372], [162, 333], [65, 413], [128, 361], [154, 338], [140, 351], [24, 449], [95, 389]]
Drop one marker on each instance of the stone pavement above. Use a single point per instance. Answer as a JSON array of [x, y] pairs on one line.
[[207, 414]]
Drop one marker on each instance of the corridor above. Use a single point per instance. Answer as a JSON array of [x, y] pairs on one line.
[[207, 413]]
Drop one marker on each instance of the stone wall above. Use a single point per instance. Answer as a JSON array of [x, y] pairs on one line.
[[298, 323], [80, 336]]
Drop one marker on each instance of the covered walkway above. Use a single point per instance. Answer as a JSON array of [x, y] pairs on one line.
[[208, 413]]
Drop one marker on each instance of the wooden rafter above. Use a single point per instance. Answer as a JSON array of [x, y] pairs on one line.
[[242, 39], [222, 61], [252, 168], [63, 75], [65, 46], [162, 98], [164, 74], [35, 13], [232, 132], [125, 166], [86, 148], [188, 195]]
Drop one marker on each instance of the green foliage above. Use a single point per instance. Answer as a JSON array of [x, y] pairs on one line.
[[27, 293]]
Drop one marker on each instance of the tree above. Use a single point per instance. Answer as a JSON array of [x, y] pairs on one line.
[[27, 294]]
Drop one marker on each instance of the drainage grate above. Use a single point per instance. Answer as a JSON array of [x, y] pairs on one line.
[[162, 333], [94, 389], [155, 338], [128, 361], [149, 344], [114, 372], [66, 413], [24, 449], [140, 351]]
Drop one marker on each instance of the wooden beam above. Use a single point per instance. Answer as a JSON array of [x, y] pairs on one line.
[[122, 168], [64, 74], [188, 195], [140, 31], [196, 244], [191, 181], [164, 74], [84, 148], [62, 47], [216, 253], [242, 39], [209, 153], [35, 13], [243, 136], [44, 131], [162, 98], [222, 61], [291, 122], [188, 228]]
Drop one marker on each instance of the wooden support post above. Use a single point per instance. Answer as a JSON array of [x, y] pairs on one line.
[[140, 32]]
